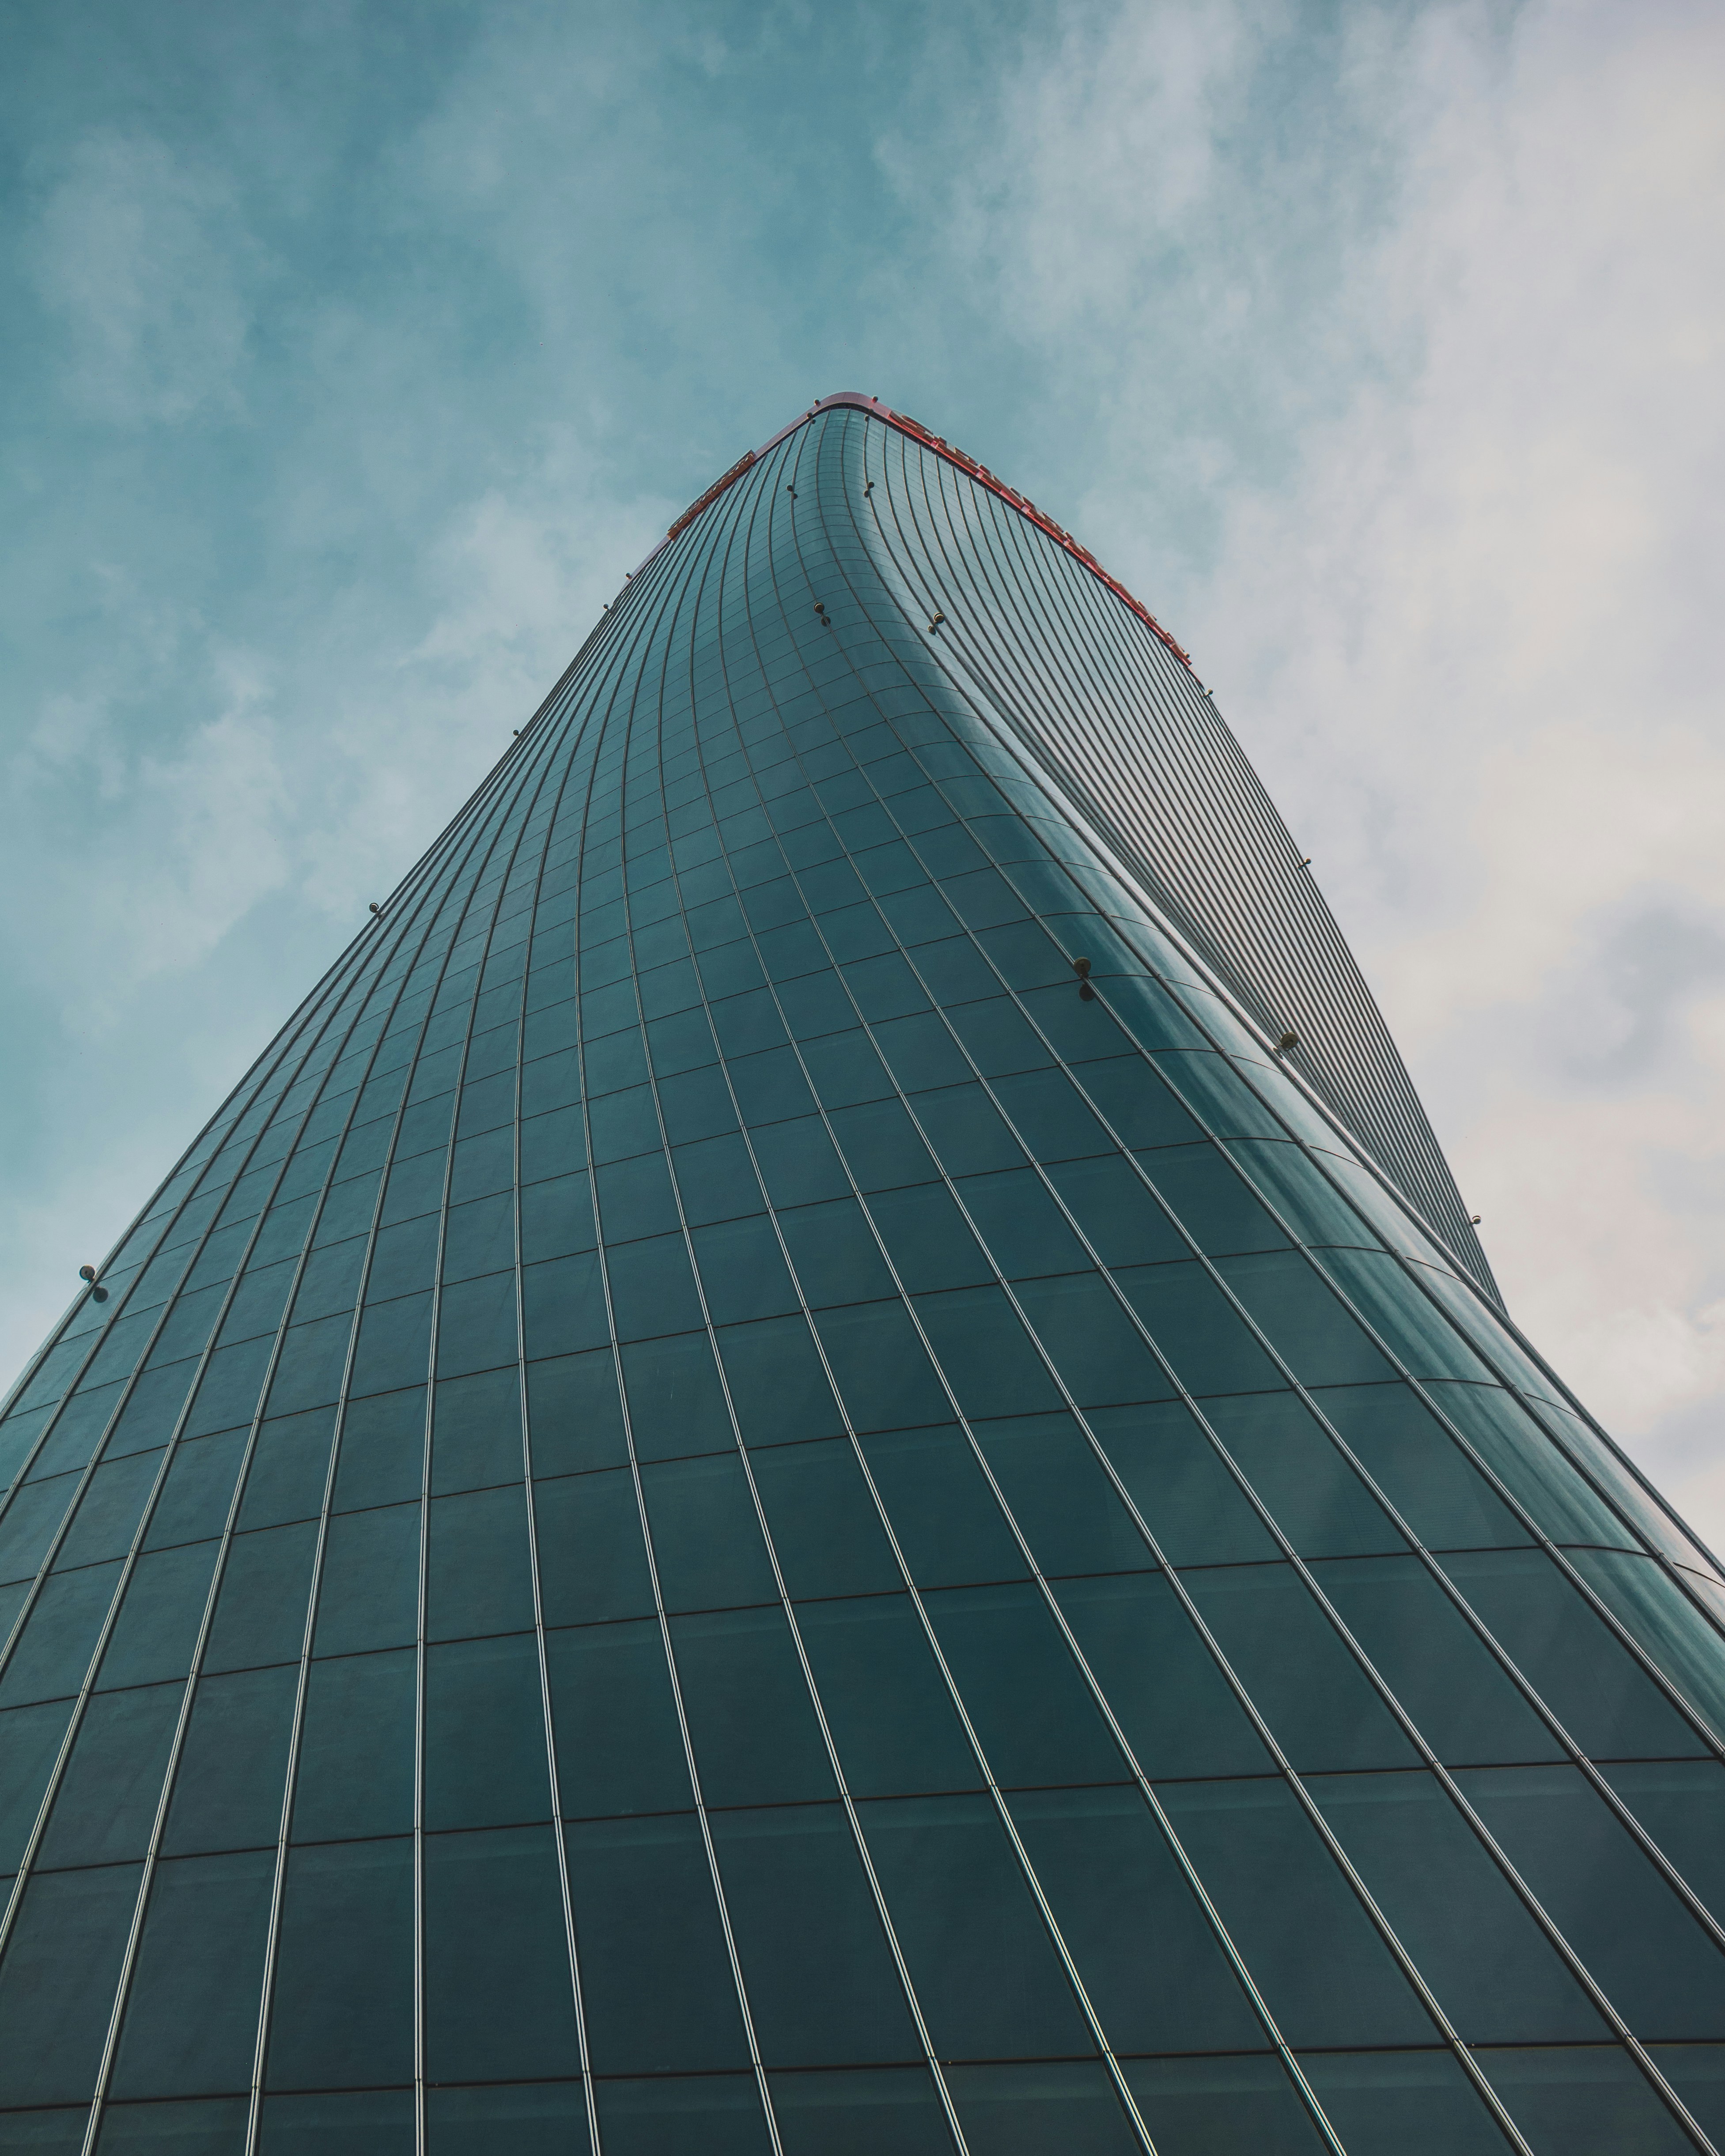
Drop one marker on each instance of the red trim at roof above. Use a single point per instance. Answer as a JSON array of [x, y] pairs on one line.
[[979, 473]]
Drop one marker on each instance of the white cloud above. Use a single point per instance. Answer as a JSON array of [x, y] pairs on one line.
[[146, 262], [1464, 608], [1475, 649], [132, 862]]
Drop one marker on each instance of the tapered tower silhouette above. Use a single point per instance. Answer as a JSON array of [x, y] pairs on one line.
[[820, 1465]]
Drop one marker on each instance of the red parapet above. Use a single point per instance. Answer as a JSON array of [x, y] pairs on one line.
[[1025, 507], [979, 473], [712, 494]]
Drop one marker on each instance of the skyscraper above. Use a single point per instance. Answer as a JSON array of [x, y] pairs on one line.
[[821, 1463]]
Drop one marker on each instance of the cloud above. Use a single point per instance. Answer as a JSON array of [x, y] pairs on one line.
[[134, 859], [145, 262], [1473, 645], [1443, 529]]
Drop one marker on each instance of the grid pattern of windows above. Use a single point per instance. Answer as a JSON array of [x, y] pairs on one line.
[[732, 1510]]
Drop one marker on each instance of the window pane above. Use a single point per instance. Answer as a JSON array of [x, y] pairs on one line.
[[191, 2022], [755, 1736], [106, 1807], [822, 1985], [1324, 1973], [619, 1743], [982, 1964], [228, 1794], [1321, 1706], [343, 2008], [355, 1771], [500, 2003], [1002, 1648], [886, 1702], [1113, 1884], [57, 1982], [484, 1734], [655, 1977], [1175, 1707], [1493, 1970]]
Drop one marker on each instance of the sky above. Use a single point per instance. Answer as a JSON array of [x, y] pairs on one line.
[[355, 349]]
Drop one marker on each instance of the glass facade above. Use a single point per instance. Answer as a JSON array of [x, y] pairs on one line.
[[776, 1486]]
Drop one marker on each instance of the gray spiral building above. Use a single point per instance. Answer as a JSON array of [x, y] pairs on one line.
[[820, 1466]]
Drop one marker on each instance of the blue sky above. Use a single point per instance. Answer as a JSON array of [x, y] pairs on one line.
[[354, 351]]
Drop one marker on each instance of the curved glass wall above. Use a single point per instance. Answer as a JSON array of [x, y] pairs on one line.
[[771, 1488]]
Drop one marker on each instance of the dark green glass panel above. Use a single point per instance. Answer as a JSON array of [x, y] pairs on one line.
[[1324, 1972], [191, 2024], [821, 1982], [823, 1522], [1608, 1703], [742, 1270], [159, 1618], [261, 1607], [1194, 1508], [106, 1807], [32, 1517], [289, 1466], [1201, 2106], [57, 1982], [195, 1498], [707, 1543], [484, 1735], [548, 2119], [356, 1767], [500, 2001], [1320, 1705], [109, 1511], [478, 1570], [719, 2115], [619, 1743], [1116, 1211], [1682, 1804], [1661, 1971], [1467, 1707], [1300, 1478], [381, 1461], [369, 1594], [342, 2011], [677, 1405], [753, 1729], [890, 1715], [1473, 1939], [228, 1791], [575, 1413], [779, 1390], [1646, 1600], [985, 1968], [1065, 1504], [1446, 1501], [884, 1375], [202, 2126], [1587, 2101], [1421, 2101], [592, 1559], [1172, 1701], [29, 1744], [1101, 1355], [656, 1980], [1202, 1335], [945, 1517], [1148, 1957], [861, 2113], [1020, 2110], [982, 1347], [1002, 1645]]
